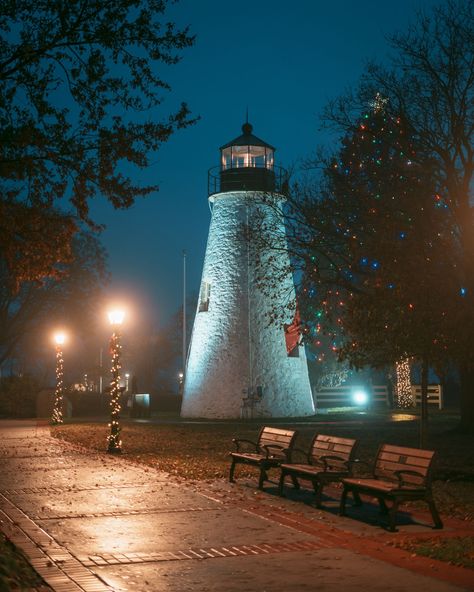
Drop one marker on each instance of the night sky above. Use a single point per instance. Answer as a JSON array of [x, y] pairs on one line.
[[284, 61]]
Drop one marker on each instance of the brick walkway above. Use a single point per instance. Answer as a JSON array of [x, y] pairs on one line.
[[92, 523]]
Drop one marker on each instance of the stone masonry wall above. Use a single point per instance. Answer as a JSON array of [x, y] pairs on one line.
[[233, 347]]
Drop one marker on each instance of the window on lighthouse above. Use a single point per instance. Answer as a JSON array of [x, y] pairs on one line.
[[204, 296]]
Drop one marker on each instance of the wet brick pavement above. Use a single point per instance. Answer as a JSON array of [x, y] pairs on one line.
[[91, 522]]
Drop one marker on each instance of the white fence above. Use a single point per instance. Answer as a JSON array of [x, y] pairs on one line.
[[343, 396], [435, 395]]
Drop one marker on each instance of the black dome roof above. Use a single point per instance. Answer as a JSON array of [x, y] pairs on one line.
[[247, 139]]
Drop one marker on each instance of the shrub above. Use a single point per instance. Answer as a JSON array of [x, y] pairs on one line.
[[18, 396]]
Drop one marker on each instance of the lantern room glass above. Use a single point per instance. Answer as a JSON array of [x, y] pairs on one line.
[[236, 157]]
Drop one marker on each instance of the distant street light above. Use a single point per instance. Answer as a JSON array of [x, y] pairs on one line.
[[116, 317], [57, 414]]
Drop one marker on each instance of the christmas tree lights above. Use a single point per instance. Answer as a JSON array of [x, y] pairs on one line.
[[371, 248]]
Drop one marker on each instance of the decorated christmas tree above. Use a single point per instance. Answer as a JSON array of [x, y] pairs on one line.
[[376, 280]]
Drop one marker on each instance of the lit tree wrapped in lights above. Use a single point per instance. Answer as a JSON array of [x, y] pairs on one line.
[[403, 393], [114, 441]]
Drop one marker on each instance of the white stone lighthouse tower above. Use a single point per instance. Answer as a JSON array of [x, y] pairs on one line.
[[239, 364]]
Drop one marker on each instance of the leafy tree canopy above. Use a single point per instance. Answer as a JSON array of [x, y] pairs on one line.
[[72, 298], [76, 80]]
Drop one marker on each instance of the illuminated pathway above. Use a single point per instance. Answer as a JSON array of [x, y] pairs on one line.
[[92, 523]]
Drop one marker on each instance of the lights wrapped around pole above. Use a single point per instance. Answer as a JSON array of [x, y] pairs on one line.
[[114, 445], [57, 415]]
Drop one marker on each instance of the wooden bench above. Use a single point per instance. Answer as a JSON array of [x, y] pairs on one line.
[[267, 452], [399, 475], [329, 459]]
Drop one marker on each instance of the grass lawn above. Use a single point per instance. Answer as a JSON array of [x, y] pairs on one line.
[[15, 572], [198, 451], [457, 550]]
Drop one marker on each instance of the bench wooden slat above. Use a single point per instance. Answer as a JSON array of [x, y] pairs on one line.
[[389, 475], [377, 485], [274, 437], [393, 469], [277, 431], [323, 438], [405, 450], [401, 462], [338, 448], [404, 459]]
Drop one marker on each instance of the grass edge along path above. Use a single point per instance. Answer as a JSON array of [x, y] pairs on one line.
[[15, 571], [458, 551]]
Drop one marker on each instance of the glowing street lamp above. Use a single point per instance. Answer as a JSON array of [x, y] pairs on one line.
[[116, 317], [57, 414]]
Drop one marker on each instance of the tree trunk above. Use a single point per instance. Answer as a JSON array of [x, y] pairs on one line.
[[467, 398], [424, 403]]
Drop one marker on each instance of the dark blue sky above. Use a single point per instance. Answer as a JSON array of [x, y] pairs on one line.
[[283, 60]]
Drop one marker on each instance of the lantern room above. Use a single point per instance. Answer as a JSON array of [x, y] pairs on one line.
[[247, 164], [247, 151]]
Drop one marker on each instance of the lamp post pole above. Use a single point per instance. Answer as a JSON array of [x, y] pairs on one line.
[[57, 414], [183, 371], [114, 442]]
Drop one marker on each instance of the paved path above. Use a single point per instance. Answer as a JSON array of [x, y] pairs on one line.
[[96, 523]]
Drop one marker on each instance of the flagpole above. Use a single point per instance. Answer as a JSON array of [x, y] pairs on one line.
[[184, 314]]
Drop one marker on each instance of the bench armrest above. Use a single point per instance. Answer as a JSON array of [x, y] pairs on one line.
[[399, 476], [288, 452], [327, 464], [358, 462], [238, 441], [267, 449]]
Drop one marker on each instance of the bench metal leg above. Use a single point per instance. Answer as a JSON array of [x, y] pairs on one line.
[[318, 491], [263, 477], [231, 472], [281, 483], [342, 505], [383, 505], [392, 514], [356, 496], [296, 484], [434, 513]]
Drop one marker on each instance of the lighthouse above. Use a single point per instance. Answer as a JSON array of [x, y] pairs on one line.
[[241, 365]]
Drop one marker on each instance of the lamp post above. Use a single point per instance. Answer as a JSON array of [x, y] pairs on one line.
[[116, 317], [57, 414]]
